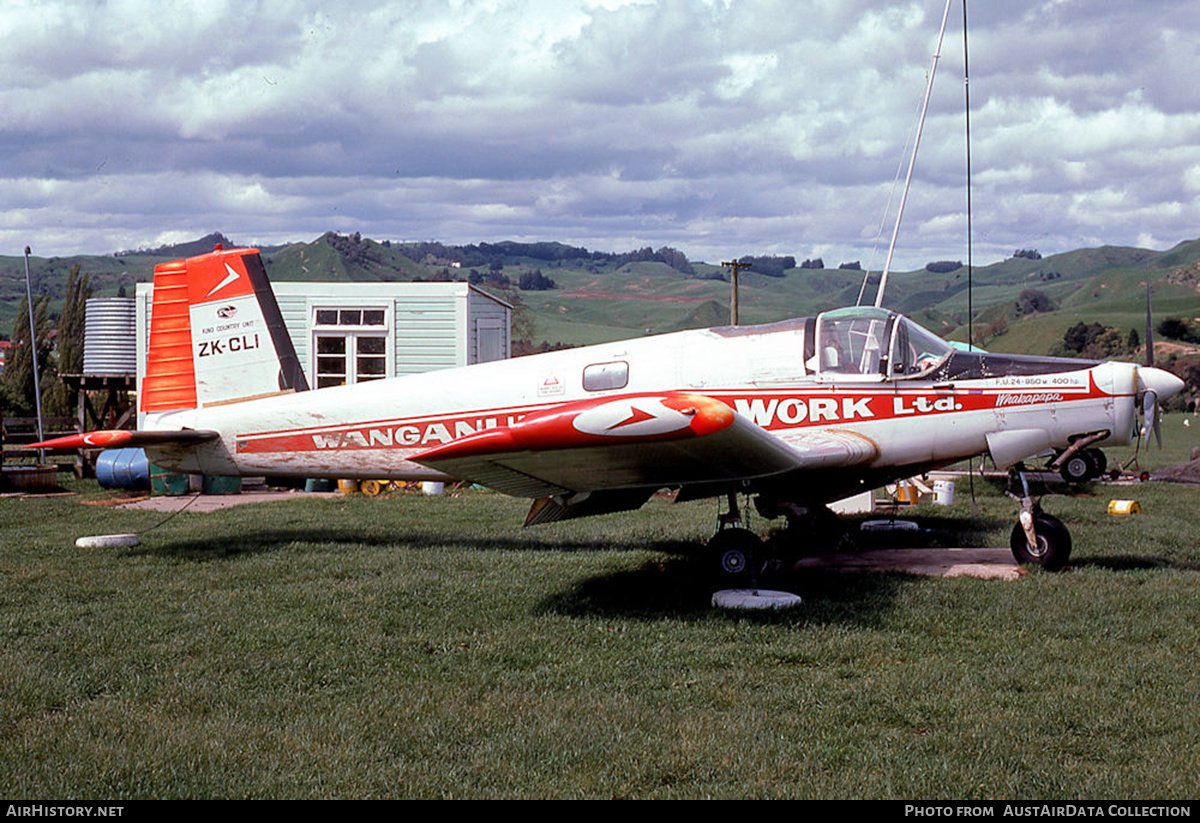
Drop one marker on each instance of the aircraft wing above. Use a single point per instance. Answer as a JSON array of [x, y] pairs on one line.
[[637, 441]]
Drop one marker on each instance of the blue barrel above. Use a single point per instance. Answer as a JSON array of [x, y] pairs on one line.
[[123, 469]]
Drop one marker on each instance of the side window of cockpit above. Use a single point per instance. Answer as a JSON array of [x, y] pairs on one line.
[[916, 350], [902, 354], [606, 376]]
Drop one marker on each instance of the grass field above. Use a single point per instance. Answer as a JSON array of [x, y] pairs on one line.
[[430, 647]]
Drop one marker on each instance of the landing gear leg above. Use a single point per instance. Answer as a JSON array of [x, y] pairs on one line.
[[1038, 538], [733, 551], [815, 530]]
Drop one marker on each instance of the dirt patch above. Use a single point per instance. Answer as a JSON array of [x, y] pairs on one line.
[[116, 501], [988, 564], [1183, 473]]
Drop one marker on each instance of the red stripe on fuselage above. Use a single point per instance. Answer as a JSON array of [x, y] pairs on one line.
[[771, 409]]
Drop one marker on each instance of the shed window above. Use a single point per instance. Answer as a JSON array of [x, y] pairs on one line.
[[605, 376], [351, 345]]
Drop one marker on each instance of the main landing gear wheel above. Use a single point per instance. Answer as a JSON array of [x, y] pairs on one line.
[[1084, 466], [1078, 469], [1053, 543], [732, 555]]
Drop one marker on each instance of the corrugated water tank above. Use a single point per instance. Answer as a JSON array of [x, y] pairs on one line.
[[110, 336]]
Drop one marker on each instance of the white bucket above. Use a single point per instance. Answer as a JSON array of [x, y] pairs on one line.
[[432, 487], [943, 492]]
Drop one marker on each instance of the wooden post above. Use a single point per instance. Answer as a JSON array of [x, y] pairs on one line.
[[734, 266]]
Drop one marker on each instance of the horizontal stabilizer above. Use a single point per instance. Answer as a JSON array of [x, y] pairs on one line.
[[122, 439]]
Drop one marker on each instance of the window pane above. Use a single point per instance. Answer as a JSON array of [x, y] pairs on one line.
[[372, 345], [331, 365], [326, 317], [331, 345], [373, 317], [371, 367], [350, 317], [602, 376]]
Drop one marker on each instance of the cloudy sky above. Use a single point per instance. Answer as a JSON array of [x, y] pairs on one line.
[[719, 127]]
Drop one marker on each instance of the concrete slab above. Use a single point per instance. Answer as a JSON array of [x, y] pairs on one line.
[[216, 502], [988, 564]]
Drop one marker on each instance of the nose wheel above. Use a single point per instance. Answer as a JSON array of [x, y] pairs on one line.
[[1038, 538]]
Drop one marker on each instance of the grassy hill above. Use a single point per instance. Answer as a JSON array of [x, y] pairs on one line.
[[603, 296]]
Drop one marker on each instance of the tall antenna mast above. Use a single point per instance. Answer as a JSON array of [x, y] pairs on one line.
[[970, 235], [913, 160]]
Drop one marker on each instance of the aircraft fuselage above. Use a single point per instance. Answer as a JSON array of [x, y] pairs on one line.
[[373, 429]]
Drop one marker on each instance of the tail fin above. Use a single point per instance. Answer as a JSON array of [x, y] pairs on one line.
[[216, 334]]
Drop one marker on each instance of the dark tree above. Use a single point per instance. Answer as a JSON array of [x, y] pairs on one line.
[[1174, 328], [1082, 335], [1032, 300], [16, 381], [535, 281]]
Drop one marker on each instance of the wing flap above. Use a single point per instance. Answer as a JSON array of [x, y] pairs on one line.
[[635, 441]]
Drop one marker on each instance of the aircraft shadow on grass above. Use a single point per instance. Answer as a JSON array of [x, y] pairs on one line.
[[216, 546], [1132, 563], [676, 588], [677, 582]]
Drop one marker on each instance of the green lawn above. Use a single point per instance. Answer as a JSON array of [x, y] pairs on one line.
[[410, 646]]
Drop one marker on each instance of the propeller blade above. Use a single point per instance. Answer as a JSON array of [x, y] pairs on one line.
[[1149, 414], [1151, 384]]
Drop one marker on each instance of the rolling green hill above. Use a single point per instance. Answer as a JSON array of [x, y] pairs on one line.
[[603, 296]]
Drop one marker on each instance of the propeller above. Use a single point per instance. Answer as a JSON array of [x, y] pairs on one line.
[[1153, 383], [1149, 397]]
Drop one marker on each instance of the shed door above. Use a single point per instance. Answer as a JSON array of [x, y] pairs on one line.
[[489, 340]]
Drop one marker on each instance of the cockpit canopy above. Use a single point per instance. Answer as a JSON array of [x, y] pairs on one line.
[[876, 343]]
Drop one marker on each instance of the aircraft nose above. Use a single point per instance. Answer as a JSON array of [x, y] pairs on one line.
[[1160, 381]]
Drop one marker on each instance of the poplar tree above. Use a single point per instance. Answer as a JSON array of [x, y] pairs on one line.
[[16, 387]]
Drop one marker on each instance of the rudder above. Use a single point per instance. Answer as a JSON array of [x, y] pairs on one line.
[[216, 334]]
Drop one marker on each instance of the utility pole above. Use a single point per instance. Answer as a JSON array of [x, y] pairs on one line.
[[734, 266], [33, 353]]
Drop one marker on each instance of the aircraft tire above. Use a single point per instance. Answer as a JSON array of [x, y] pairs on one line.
[[732, 553], [1054, 543], [1079, 469], [1099, 460]]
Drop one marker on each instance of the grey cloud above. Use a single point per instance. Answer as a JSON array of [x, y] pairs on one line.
[[712, 126]]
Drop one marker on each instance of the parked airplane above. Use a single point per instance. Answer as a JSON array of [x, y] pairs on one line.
[[793, 414]]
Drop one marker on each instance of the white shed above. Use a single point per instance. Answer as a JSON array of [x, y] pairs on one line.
[[350, 332]]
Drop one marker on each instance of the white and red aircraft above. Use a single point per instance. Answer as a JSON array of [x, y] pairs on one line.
[[796, 414]]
